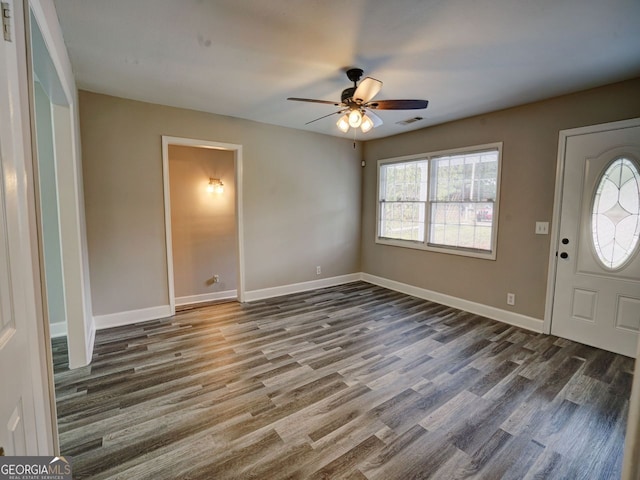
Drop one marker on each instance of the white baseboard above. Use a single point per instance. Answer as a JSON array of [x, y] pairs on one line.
[[162, 311], [58, 329], [206, 297], [261, 294], [132, 316], [494, 313]]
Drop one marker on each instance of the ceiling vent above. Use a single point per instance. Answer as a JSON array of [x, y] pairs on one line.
[[409, 121]]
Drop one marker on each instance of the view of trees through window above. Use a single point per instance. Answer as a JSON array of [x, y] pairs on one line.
[[403, 200], [445, 200], [462, 196]]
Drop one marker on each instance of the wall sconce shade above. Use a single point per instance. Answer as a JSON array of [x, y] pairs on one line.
[[215, 185]]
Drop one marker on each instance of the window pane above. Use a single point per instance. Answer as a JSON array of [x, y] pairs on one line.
[[405, 181], [463, 225], [402, 221], [463, 189], [403, 195], [471, 177]]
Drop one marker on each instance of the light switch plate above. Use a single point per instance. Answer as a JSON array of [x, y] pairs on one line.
[[542, 228]]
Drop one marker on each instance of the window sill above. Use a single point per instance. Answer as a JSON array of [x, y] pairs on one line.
[[417, 245]]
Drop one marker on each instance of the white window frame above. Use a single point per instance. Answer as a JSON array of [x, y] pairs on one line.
[[424, 245]]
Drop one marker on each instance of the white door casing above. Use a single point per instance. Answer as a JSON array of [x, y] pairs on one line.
[[23, 426], [238, 162], [592, 303]]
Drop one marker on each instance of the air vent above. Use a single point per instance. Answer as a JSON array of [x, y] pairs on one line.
[[409, 121]]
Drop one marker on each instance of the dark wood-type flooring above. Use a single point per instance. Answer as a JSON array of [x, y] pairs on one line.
[[354, 382]]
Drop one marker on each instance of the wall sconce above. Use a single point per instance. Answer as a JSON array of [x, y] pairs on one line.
[[215, 185]]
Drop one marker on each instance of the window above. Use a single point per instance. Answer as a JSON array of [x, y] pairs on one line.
[[442, 201]]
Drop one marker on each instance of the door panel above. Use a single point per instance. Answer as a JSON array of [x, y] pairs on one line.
[[595, 304], [17, 444], [19, 361]]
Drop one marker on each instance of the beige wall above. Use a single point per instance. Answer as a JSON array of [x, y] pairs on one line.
[[530, 136], [203, 226], [301, 199]]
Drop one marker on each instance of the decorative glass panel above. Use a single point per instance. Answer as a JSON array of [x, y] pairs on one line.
[[615, 222]]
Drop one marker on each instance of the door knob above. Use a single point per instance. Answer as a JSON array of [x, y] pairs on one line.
[[565, 241], [564, 255]]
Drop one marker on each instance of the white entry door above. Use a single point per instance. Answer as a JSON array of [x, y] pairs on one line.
[[21, 413], [597, 288]]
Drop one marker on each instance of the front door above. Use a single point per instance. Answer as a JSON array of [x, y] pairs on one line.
[[597, 288]]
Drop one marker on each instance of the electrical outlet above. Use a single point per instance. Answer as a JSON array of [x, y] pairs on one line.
[[511, 298], [216, 279], [318, 270]]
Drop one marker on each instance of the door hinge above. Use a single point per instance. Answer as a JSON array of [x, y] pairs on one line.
[[6, 21]]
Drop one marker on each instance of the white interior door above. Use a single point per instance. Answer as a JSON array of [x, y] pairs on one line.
[[19, 361], [597, 288]]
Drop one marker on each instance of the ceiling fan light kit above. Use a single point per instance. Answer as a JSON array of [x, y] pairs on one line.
[[357, 105], [343, 123], [355, 118], [366, 124]]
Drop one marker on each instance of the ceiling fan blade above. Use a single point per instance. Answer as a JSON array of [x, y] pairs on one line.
[[377, 121], [325, 116], [327, 102], [398, 104], [368, 88]]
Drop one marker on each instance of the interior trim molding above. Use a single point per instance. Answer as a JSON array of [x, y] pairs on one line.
[[91, 340], [239, 216], [516, 319], [132, 316], [206, 297], [58, 329], [263, 293]]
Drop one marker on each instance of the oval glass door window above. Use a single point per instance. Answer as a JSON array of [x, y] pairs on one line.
[[615, 221]]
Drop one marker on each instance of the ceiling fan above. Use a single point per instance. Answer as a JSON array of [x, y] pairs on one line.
[[356, 103]]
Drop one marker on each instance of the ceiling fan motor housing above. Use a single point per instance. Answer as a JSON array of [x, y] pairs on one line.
[[347, 94]]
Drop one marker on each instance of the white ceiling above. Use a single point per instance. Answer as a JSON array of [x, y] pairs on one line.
[[245, 57]]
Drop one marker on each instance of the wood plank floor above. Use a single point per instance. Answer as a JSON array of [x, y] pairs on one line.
[[354, 381]]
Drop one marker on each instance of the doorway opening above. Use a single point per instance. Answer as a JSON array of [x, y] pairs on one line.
[[58, 196], [203, 220]]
